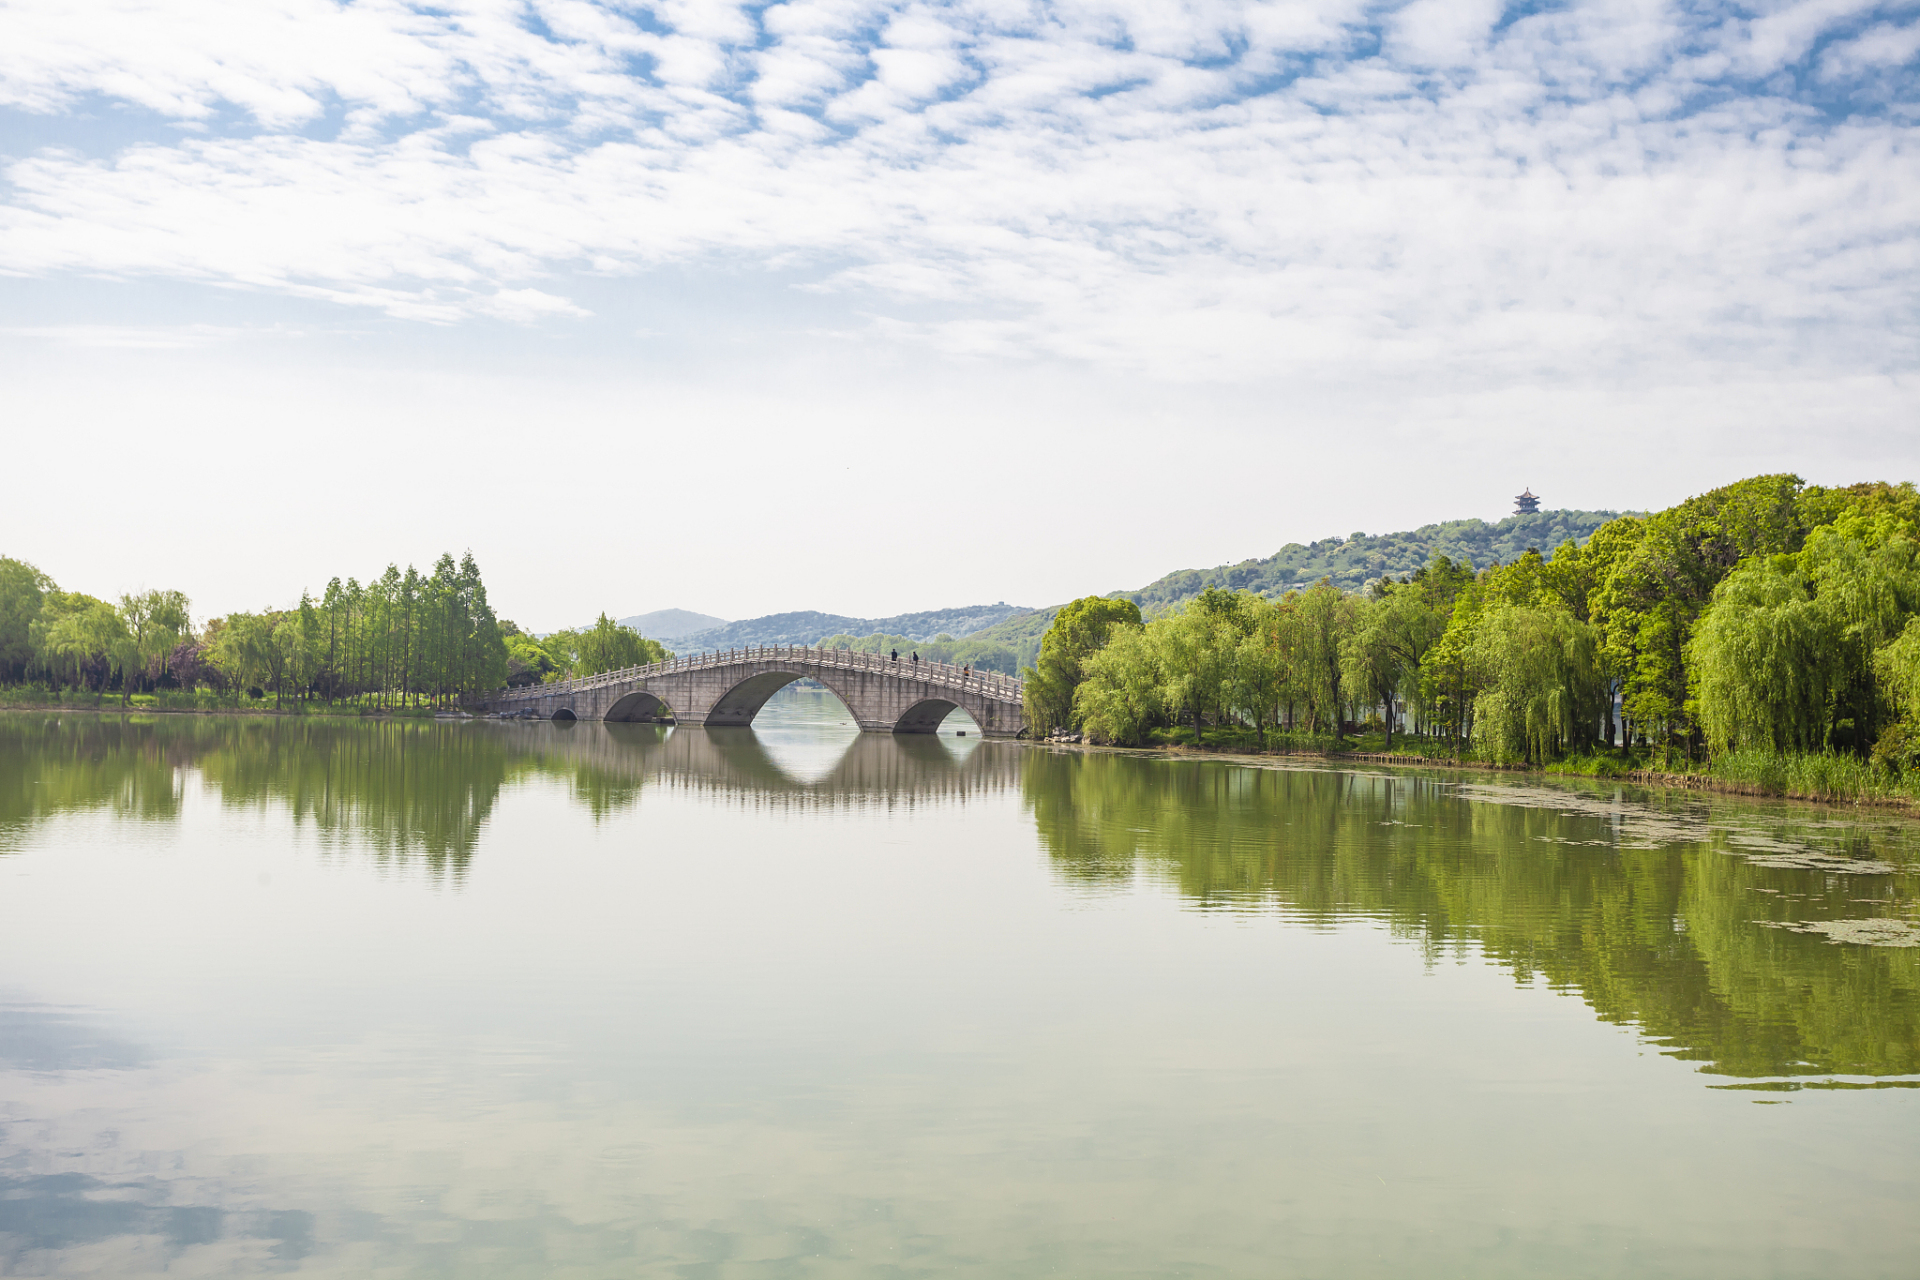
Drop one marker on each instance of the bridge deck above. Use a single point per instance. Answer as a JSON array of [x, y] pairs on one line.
[[989, 684]]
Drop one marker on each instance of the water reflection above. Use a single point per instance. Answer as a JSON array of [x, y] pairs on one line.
[[396, 790], [797, 1000], [403, 790], [1734, 935], [1698, 921]]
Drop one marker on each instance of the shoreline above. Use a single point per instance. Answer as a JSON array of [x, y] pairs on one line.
[[281, 713], [1900, 806]]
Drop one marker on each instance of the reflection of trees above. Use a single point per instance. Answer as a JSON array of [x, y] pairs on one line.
[[412, 789], [52, 765], [400, 789], [1665, 937]]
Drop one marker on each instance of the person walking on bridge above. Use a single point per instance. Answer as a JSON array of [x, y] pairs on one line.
[[894, 656], [916, 655]]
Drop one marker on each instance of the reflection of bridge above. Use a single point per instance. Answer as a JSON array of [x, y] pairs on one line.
[[885, 695], [747, 767]]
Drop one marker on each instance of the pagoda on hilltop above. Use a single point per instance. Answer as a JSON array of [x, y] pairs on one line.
[[1526, 504]]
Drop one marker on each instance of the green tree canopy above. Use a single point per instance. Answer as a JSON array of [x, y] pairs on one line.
[[1079, 630], [22, 588]]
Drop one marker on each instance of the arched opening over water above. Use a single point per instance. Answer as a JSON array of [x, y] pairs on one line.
[[564, 715], [932, 715], [740, 704], [639, 706]]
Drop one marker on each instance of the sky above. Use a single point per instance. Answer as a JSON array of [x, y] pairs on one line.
[[878, 307]]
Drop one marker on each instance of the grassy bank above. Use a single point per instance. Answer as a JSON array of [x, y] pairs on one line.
[[198, 703], [1822, 776], [1245, 741]]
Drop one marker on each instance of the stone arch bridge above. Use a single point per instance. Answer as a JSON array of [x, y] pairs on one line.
[[727, 687]]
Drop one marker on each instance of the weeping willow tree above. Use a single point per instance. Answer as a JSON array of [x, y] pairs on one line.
[[1198, 646], [1766, 661], [1788, 657], [1119, 696], [1898, 666], [1541, 690], [604, 646], [1079, 630]]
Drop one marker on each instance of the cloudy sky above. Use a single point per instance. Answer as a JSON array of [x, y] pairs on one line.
[[874, 307]]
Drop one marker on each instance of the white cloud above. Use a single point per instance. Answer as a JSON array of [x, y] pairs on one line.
[[1879, 47], [1221, 190], [526, 305]]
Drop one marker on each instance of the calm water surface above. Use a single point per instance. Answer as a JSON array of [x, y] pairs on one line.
[[491, 1000]]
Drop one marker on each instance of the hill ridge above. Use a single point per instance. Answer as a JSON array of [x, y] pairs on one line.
[[807, 626], [1352, 563]]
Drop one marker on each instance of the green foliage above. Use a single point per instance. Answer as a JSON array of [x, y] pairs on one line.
[[1079, 629], [1810, 775], [1395, 631], [1539, 686], [248, 651], [1326, 619], [401, 639], [528, 661], [77, 637], [604, 646], [1788, 657], [1019, 635], [405, 639], [1663, 575], [1351, 563], [1120, 698], [154, 623], [1766, 661], [1763, 614], [22, 588]]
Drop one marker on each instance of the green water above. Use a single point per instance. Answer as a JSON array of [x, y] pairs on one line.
[[479, 1000]]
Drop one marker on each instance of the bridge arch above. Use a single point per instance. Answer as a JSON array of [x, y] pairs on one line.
[[742, 702], [640, 705], [564, 715], [927, 715]]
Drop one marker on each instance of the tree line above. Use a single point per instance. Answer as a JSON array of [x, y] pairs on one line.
[[578, 651], [402, 639], [1768, 615]]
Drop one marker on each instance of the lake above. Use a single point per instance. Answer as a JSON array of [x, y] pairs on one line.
[[470, 999]]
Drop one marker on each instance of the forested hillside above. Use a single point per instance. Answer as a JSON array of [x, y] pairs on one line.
[[1351, 563], [808, 627], [1354, 561]]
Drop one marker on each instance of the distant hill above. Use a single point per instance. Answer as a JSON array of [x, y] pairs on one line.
[[808, 627], [1352, 563], [1357, 560], [671, 624], [1020, 633]]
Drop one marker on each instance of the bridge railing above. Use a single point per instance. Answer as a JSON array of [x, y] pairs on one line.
[[991, 683]]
